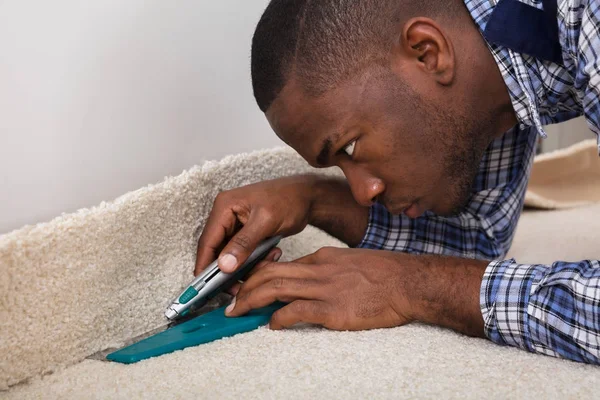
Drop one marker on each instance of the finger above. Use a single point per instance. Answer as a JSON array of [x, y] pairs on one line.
[[234, 289], [308, 311], [320, 256], [284, 289], [219, 225], [272, 271], [307, 259], [243, 243], [273, 256]]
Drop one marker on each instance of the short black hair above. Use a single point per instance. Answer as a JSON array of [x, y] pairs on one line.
[[324, 42]]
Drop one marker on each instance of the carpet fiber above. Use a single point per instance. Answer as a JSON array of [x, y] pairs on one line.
[[93, 279]]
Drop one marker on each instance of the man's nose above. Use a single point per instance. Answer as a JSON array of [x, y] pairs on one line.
[[365, 187]]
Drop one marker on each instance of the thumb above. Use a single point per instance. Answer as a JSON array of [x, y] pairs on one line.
[[241, 245], [273, 255]]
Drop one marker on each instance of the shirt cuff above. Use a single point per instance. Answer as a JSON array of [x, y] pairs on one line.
[[504, 299]]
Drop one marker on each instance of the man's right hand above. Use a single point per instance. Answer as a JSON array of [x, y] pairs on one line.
[[243, 217]]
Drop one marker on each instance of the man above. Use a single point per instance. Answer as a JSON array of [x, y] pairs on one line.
[[431, 109]]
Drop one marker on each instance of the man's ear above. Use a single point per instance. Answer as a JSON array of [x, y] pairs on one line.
[[424, 41]]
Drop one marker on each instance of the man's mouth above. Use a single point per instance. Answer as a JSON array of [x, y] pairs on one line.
[[413, 211]]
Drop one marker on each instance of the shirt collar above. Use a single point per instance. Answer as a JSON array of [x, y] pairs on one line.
[[514, 67]]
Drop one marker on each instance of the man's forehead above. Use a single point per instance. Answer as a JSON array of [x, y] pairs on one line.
[[299, 122], [311, 142], [290, 110]]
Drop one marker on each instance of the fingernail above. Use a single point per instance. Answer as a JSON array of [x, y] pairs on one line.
[[230, 307], [228, 262], [277, 256]]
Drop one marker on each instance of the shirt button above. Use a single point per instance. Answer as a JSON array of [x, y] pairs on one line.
[[554, 110]]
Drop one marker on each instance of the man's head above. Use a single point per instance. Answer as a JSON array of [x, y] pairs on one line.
[[402, 95]]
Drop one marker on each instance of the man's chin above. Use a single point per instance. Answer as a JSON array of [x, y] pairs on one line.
[[451, 210], [414, 211]]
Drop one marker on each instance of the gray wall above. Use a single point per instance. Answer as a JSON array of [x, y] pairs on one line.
[[98, 98], [566, 134]]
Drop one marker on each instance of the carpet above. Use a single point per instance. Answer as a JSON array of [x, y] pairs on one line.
[[565, 178], [92, 279]]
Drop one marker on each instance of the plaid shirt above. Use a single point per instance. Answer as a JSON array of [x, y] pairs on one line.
[[549, 309]]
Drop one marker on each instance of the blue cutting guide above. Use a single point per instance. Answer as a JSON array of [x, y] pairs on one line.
[[202, 329]]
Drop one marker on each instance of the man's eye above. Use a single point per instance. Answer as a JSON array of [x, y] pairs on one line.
[[349, 149]]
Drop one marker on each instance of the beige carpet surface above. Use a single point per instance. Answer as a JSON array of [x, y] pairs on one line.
[[89, 280]]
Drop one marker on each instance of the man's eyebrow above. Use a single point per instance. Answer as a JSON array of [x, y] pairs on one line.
[[323, 157]]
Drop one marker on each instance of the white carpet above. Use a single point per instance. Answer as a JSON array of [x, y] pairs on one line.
[[95, 278]]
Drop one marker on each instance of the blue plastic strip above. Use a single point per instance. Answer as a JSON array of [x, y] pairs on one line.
[[203, 329]]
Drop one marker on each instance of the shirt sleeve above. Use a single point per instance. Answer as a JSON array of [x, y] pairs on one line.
[[486, 226], [548, 309]]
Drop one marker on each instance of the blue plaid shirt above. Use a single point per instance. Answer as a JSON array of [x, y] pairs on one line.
[[549, 309]]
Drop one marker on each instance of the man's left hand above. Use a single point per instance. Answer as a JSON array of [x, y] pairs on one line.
[[341, 289], [356, 289]]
